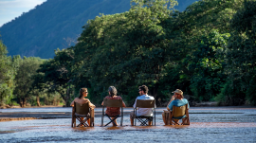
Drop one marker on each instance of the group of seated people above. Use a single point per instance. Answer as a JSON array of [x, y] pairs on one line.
[[177, 100]]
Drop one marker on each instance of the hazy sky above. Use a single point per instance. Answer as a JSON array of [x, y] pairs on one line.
[[9, 9]]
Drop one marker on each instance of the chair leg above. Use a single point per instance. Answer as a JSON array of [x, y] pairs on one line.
[[111, 120], [108, 122], [72, 122], [176, 122], [92, 117], [82, 122], [92, 122], [121, 117], [134, 121], [170, 118], [102, 117], [154, 117], [167, 122], [73, 117], [143, 122], [185, 121]]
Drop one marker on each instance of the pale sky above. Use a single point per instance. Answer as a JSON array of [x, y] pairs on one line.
[[9, 9]]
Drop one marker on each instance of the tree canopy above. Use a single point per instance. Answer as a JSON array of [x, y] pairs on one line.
[[207, 51]]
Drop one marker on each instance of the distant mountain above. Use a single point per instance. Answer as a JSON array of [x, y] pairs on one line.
[[57, 24]]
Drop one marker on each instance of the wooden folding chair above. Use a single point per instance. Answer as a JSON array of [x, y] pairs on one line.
[[112, 103], [144, 119], [84, 111], [177, 113]]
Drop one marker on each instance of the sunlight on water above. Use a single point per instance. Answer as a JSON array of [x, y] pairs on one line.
[[237, 126]]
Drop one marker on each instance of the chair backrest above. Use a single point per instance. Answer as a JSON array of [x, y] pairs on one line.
[[145, 103], [112, 103], [179, 111], [82, 109]]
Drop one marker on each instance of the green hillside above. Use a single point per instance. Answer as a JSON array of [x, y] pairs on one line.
[[57, 24]]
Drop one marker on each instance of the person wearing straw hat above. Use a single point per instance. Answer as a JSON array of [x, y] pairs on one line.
[[176, 100]]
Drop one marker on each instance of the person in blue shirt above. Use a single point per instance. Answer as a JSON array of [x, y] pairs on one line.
[[176, 100]]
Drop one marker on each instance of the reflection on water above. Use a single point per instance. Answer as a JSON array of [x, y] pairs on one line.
[[235, 127]]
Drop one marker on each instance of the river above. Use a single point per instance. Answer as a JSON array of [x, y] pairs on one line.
[[208, 124]]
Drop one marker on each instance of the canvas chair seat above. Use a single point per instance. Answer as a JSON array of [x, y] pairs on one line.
[[112, 103], [82, 110], [82, 115], [145, 116], [179, 117], [144, 119], [177, 113]]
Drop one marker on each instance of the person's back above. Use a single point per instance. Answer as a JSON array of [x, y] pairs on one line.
[[81, 100], [177, 100], [144, 111], [178, 103], [113, 111], [143, 90]]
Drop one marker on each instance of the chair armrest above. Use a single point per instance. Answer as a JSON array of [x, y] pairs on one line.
[[166, 111], [73, 110], [92, 112], [73, 114]]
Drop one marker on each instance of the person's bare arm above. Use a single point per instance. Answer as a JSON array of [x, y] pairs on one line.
[[72, 103], [170, 102], [123, 104], [92, 105]]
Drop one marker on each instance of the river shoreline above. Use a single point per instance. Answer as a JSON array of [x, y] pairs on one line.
[[201, 104]]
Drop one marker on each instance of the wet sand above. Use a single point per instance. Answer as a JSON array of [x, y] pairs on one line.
[[216, 124]]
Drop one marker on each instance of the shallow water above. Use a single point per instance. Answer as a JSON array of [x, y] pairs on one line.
[[218, 124]]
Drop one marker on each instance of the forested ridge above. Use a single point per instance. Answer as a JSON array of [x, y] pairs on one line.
[[207, 51], [57, 24]]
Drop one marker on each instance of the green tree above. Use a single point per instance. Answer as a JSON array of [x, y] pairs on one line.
[[38, 87], [207, 66], [6, 74], [58, 74], [125, 49], [24, 79], [241, 57]]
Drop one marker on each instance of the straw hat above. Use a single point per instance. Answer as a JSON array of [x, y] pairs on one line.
[[178, 91]]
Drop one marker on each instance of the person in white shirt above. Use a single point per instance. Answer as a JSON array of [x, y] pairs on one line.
[[143, 90]]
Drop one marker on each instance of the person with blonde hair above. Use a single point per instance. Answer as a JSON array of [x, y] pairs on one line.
[[83, 93]]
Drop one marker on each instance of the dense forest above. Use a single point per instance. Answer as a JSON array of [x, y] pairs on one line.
[[57, 24], [207, 51]]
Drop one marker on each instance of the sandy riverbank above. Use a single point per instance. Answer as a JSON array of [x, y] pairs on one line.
[[201, 104], [45, 106]]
